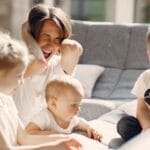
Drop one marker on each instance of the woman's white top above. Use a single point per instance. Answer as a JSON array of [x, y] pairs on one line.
[[142, 84], [45, 120], [9, 120], [30, 97]]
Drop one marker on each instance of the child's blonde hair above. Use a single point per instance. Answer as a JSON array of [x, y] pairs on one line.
[[12, 52], [57, 86]]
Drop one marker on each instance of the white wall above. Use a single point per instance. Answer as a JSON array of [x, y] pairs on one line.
[[120, 11], [20, 10], [50, 2], [124, 11]]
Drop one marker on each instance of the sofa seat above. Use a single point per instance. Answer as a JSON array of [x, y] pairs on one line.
[[116, 84]]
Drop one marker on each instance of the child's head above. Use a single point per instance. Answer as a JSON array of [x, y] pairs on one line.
[[13, 60], [63, 95]]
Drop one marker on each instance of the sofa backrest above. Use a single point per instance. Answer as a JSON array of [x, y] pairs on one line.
[[112, 45], [137, 57]]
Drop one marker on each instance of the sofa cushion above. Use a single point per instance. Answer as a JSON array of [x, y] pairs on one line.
[[116, 84], [113, 116], [88, 143], [106, 125], [129, 108], [94, 108], [106, 129], [87, 74]]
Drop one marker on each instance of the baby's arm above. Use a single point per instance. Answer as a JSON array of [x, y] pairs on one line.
[[92, 133], [33, 128]]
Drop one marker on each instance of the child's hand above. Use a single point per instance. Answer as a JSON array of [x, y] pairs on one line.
[[92, 133]]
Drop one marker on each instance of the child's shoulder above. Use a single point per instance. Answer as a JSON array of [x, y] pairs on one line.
[[144, 76], [146, 72]]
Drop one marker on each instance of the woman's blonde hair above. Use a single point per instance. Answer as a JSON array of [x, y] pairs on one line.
[[60, 84], [39, 13], [12, 52]]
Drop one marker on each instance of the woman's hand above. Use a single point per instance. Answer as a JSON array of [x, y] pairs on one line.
[[35, 66], [70, 50], [71, 144]]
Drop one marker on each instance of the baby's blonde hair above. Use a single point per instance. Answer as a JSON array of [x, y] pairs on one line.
[[12, 52], [59, 84]]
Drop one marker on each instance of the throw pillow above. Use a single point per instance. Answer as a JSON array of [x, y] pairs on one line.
[[88, 74]]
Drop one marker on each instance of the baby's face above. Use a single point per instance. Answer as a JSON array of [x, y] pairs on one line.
[[68, 105], [12, 78]]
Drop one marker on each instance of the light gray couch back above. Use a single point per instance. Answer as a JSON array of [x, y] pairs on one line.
[[121, 49]]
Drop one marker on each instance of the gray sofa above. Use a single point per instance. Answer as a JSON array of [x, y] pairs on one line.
[[121, 50]]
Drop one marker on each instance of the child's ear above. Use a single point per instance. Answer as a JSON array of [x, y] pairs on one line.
[[52, 102]]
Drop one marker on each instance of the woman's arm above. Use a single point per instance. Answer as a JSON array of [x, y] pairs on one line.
[[143, 113], [45, 142], [34, 67], [71, 51]]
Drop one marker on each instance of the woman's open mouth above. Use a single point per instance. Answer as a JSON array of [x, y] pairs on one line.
[[47, 55]]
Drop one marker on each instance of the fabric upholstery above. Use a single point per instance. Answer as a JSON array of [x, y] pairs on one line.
[[100, 45], [137, 57]]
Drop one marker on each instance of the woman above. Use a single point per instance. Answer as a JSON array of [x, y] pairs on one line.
[[46, 34]]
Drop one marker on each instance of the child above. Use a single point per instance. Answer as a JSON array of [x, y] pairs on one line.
[[130, 126], [13, 61], [63, 95]]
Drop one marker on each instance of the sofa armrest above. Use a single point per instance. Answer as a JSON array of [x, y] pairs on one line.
[[93, 108]]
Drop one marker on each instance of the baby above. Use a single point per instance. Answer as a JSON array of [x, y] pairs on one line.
[[63, 95]]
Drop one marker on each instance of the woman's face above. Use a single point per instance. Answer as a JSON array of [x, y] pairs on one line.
[[49, 38]]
